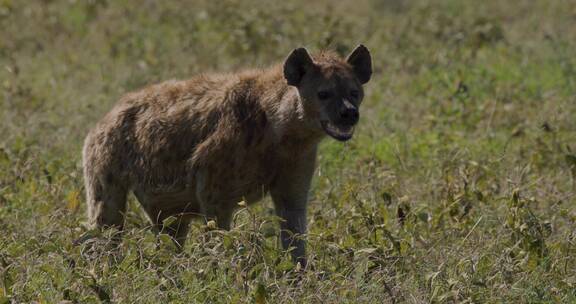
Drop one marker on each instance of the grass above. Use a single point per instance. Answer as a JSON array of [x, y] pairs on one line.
[[459, 186]]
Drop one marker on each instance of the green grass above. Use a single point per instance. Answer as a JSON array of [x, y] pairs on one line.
[[458, 187]]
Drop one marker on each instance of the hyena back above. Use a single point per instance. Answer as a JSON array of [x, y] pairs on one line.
[[198, 147]]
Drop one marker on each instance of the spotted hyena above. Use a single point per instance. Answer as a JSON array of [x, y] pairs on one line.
[[198, 147]]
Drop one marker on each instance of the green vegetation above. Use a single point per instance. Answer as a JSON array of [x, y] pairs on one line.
[[459, 186]]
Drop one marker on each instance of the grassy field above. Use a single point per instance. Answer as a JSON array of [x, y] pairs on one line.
[[458, 187]]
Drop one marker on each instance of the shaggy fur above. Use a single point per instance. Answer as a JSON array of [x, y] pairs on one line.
[[199, 146]]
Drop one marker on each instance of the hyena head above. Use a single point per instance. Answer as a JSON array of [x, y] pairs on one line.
[[330, 88]]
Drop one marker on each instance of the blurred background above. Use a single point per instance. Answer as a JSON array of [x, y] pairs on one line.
[[458, 187]]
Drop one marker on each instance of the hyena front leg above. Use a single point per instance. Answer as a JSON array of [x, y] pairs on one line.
[[290, 195], [293, 228]]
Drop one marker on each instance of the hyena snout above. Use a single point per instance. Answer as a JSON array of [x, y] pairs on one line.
[[349, 114]]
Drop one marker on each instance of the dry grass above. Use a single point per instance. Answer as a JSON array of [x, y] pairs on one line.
[[460, 186]]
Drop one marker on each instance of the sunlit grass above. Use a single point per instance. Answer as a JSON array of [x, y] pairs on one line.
[[458, 186]]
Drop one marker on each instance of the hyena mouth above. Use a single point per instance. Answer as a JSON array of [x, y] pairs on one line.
[[341, 133]]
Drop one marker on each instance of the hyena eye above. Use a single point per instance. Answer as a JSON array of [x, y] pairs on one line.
[[354, 93], [324, 95]]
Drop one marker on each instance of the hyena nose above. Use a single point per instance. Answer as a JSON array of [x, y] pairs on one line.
[[349, 116]]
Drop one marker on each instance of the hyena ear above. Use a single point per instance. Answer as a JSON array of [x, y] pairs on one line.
[[361, 61], [296, 65]]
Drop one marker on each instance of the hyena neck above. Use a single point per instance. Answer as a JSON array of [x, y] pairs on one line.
[[284, 108]]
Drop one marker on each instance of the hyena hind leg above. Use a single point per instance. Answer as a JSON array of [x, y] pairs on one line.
[[212, 205], [106, 205], [220, 213], [106, 200], [178, 228]]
